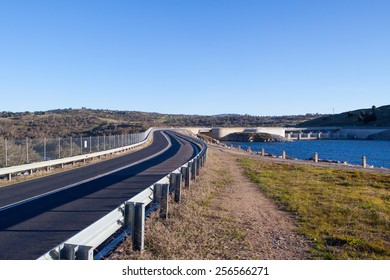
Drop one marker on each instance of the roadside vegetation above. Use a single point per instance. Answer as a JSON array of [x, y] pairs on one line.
[[197, 228], [345, 213]]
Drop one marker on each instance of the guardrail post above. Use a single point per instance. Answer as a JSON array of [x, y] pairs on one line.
[[197, 160], [177, 182], [84, 253], [188, 175], [185, 171], [137, 225], [127, 215], [157, 192], [9, 177], [193, 170], [164, 201], [68, 252], [172, 182]]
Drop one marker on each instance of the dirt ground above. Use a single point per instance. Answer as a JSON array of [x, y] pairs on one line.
[[269, 231]]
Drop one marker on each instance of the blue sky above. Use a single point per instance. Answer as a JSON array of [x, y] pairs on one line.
[[257, 57]]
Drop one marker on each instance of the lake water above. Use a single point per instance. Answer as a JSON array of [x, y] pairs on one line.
[[377, 152]]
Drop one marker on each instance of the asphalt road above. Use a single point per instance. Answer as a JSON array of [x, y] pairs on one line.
[[33, 227]]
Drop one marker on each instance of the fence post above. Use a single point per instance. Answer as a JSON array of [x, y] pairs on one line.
[[27, 150], [71, 146], [90, 144], [81, 145], [315, 157], [164, 201], [104, 142], [59, 147], [364, 161], [6, 151], [262, 152], [44, 149], [284, 154]]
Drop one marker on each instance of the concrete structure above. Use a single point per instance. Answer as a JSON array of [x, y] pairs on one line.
[[296, 133], [220, 132], [281, 131]]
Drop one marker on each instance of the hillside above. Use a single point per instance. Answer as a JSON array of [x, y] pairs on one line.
[[379, 117], [88, 122]]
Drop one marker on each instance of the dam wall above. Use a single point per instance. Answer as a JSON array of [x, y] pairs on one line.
[[220, 132], [299, 133]]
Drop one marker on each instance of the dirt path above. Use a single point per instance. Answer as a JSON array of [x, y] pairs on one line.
[[269, 231], [223, 216]]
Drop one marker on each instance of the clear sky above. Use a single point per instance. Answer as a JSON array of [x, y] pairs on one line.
[[260, 57]]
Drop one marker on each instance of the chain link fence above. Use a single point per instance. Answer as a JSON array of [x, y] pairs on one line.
[[23, 151]]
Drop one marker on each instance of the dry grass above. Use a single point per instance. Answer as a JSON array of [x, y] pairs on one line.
[[345, 213]]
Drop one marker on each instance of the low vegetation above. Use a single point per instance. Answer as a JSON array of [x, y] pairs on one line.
[[88, 122], [372, 117], [345, 213]]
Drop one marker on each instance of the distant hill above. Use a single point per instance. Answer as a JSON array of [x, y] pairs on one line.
[[379, 117], [89, 122]]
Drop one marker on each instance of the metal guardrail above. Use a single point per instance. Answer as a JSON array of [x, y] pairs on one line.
[[129, 217], [8, 171]]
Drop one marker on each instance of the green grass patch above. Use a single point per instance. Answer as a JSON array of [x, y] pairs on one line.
[[345, 213]]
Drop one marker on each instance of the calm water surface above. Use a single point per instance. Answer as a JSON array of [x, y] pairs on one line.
[[351, 151]]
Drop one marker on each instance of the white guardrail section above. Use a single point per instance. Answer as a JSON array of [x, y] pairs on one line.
[[129, 217], [46, 164]]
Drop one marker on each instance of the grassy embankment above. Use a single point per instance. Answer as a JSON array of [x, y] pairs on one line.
[[345, 213]]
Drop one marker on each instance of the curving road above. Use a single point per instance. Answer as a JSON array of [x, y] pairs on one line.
[[39, 214]]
